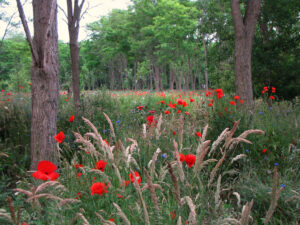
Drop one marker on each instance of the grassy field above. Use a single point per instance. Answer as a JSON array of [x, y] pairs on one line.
[[198, 158]]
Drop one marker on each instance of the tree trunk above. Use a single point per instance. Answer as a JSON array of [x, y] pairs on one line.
[[171, 79], [74, 52], [74, 15], [111, 76], [134, 75], [45, 80], [150, 77], [244, 32], [205, 63], [193, 74], [156, 77]]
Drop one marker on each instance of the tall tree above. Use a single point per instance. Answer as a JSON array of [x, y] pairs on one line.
[[244, 28], [74, 16], [44, 77]]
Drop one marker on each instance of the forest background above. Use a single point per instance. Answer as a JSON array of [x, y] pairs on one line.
[[171, 45]]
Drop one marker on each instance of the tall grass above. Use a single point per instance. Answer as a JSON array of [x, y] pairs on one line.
[[228, 173]]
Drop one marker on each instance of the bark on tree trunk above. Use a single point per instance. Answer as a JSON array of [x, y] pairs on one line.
[[45, 78], [134, 74], [187, 77], [150, 77], [74, 52], [171, 80], [205, 64], [156, 78], [244, 32], [74, 16], [111, 76]]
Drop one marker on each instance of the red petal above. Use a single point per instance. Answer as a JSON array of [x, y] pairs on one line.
[[46, 167], [40, 175], [53, 176]]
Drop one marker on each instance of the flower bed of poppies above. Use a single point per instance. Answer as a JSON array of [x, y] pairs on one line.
[[158, 158]]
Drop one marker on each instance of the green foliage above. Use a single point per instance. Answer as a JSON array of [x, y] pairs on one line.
[[250, 176], [15, 60]]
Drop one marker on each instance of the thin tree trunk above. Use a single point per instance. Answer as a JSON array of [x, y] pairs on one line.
[[74, 16], [74, 52], [156, 77], [150, 77], [171, 79], [111, 76], [244, 32], [45, 78], [134, 74], [205, 64], [5, 31]]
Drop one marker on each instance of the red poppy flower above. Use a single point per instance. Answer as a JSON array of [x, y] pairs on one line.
[[242, 101], [184, 104], [182, 157], [210, 105], [220, 93], [171, 105], [263, 92], [226, 109], [174, 132], [106, 142], [30, 83], [138, 177], [190, 160], [179, 102], [60, 137], [2, 90], [167, 112], [203, 102], [236, 97], [198, 134], [172, 214], [100, 165], [179, 111], [273, 90], [79, 195], [272, 97], [45, 171], [71, 119], [78, 165], [79, 174], [192, 100], [162, 101], [187, 113], [111, 219], [232, 102], [120, 196], [264, 151], [8, 100], [140, 107], [266, 88], [150, 119], [126, 182], [98, 188]]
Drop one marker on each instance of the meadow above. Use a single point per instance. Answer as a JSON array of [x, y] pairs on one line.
[[140, 157]]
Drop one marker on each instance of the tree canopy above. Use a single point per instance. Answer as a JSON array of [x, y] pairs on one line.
[[160, 45]]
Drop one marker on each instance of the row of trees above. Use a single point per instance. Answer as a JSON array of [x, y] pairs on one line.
[[188, 44]]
